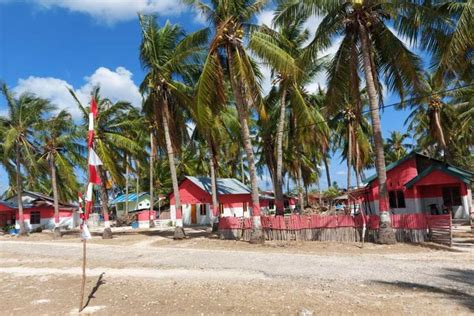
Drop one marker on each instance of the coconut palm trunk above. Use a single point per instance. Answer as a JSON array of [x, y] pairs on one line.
[[349, 154], [386, 233], [54, 184], [328, 173], [152, 199], [242, 110], [215, 204], [127, 175], [19, 194], [279, 203], [104, 202], [179, 231], [439, 130], [357, 164], [300, 187]]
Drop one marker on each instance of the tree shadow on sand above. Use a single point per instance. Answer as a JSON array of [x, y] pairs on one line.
[[460, 278]]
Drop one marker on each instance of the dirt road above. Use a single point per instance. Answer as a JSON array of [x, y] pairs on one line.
[[157, 276]]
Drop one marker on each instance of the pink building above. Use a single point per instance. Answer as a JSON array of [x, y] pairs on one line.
[[38, 212], [233, 196], [419, 184]]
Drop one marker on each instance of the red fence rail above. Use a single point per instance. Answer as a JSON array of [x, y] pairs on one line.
[[296, 222], [438, 225]]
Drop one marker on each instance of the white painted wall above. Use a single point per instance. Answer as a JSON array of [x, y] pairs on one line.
[[423, 205], [48, 223]]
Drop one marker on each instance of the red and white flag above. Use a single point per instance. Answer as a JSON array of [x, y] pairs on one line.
[[93, 107], [90, 139], [94, 162], [90, 189]]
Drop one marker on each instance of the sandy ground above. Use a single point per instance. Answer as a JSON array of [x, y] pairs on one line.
[[144, 272]]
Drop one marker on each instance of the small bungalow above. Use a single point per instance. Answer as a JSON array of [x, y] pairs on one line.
[[136, 202], [420, 184], [39, 211], [267, 202], [195, 192]]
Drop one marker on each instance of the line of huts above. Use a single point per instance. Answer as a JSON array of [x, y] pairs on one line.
[[415, 184]]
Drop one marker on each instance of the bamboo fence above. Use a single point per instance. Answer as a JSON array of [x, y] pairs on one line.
[[414, 228]]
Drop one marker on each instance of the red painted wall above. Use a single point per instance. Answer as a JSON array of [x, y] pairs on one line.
[[396, 178], [45, 212], [191, 194], [5, 208], [145, 215], [433, 183], [234, 199]]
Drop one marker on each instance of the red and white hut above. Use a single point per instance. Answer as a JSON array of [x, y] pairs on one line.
[[420, 184], [195, 192], [38, 211]]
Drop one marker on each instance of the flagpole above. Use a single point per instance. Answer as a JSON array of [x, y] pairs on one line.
[[83, 284], [85, 233]]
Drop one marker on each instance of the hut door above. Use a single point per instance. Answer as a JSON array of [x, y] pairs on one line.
[[193, 214]]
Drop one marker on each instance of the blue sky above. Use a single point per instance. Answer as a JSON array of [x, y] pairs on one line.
[[48, 45]]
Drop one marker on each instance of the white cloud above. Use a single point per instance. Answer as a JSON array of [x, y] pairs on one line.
[[267, 78], [112, 11], [199, 18], [341, 173], [56, 90], [265, 17], [312, 24], [115, 85]]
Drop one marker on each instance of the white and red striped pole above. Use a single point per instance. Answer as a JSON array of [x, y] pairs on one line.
[[94, 178]]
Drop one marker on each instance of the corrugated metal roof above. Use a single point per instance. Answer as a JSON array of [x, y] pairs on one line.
[[131, 197], [31, 199], [224, 186]]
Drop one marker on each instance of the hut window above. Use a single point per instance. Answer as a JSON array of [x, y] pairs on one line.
[[202, 209], [452, 196], [221, 208], [35, 218], [270, 205], [396, 199], [244, 207]]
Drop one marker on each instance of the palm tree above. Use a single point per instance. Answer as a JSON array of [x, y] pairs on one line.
[[8, 165], [441, 120], [230, 21], [376, 50], [283, 51], [60, 149], [396, 147], [429, 103], [166, 53], [24, 113], [115, 137], [443, 28]]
